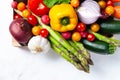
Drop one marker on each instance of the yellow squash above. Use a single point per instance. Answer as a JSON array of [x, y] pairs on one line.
[[63, 17]]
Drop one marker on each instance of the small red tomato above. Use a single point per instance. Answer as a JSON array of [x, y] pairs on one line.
[[81, 27], [109, 3], [17, 16], [32, 20], [44, 33], [84, 34], [45, 19], [90, 37], [14, 4]]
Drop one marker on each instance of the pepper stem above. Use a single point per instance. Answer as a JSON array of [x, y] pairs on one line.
[[65, 21]]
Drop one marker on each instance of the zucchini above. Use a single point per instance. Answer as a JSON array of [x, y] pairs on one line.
[[110, 26], [99, 46]]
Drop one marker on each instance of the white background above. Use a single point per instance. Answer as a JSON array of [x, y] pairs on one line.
[[20, 64]]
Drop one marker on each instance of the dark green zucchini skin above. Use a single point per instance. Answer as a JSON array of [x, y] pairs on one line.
[[110, 26], [96, 46]]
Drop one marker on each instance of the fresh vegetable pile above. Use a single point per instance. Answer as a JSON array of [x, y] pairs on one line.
[[69, 27]]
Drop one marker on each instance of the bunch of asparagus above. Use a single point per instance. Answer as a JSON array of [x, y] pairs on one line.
[[74, 52]]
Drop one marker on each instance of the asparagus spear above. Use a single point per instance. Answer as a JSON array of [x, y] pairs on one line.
[[60, 52], [58, 45], [106, 39], [79, 46]]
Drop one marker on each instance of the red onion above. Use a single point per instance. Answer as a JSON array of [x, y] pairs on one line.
[[89, 11], [20, 29]]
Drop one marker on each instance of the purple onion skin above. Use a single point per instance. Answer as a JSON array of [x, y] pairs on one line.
[[20, 29]]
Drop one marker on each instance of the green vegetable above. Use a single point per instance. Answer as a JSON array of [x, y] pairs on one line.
[[57, 45], [51, 3], [80, 48], [110, 26], [84, 52], [99, 46], [106, 39]]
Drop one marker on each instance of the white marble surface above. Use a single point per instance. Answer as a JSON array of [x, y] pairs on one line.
[[20, 64]]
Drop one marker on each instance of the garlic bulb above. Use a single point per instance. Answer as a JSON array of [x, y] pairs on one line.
[[89, 12], [38, 44]]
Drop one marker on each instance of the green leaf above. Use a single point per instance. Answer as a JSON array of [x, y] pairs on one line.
[[51, 3]]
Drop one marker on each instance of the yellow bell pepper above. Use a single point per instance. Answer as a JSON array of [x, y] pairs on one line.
[[63, 17]]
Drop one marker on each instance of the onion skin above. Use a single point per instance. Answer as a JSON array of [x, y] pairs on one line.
[[20, 29]]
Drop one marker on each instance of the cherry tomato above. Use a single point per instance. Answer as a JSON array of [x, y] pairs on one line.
[[81, 27], [84, 34], [102, 3], [21, 6], [109, 10], [17, 16], [38, 7], [44, 33], [32, 20], [109, 3], [45, 19], [36, 30], [95, 27], [75, 3], [76, 36], [26, 13], [90, 37]]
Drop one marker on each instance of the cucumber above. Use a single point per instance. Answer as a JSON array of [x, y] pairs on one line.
[[110, 26], [99, 46]]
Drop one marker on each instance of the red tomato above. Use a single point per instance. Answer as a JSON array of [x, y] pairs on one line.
[[44, 32], [90, 37], [109, 3], [38, 7], [17, 16], [84, 34], [32, 20], [81, 27]]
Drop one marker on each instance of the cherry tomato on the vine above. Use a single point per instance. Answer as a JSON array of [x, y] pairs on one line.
[[44, 33], [21, 6], [26, 13], [81, 27], [109, 10], [84, 34], [102, 4], [95, 27], [36, 30], [17, 16], [76, 36], [109, 3], [75, 3], [90, 37], [32, 20]]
